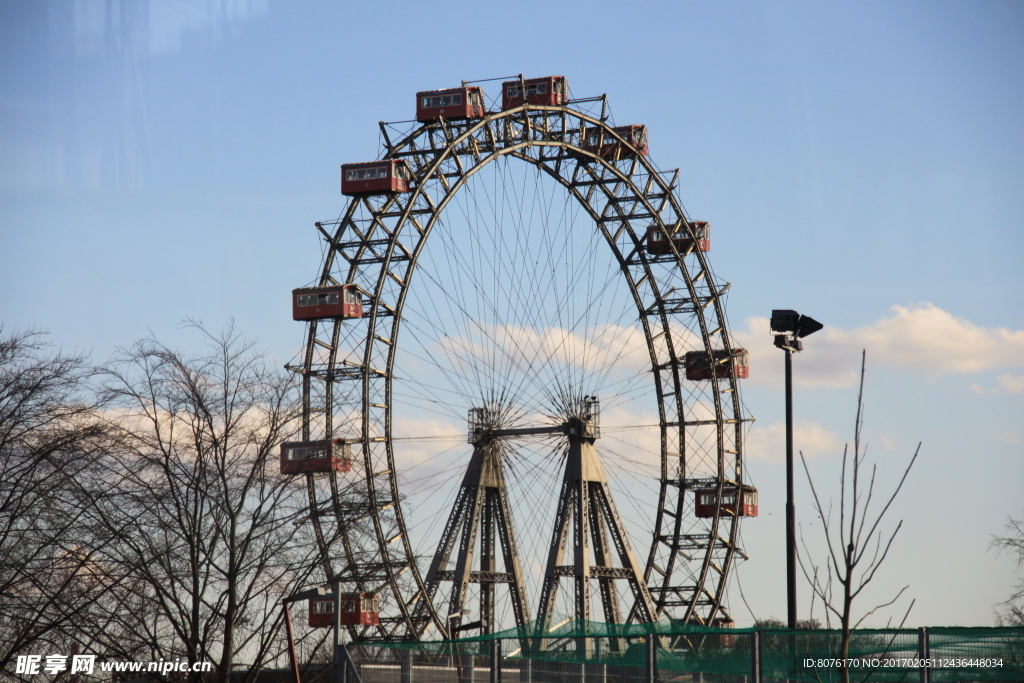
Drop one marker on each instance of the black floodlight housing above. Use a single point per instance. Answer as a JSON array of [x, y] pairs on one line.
[[789, 327], [806, 326], [784, 321]]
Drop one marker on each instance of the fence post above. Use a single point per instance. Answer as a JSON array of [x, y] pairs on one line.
[[924, 651], [496, 660], [651, 649], [350, 674], [755, 657], [466, 669], [407, 670], [525, 670]]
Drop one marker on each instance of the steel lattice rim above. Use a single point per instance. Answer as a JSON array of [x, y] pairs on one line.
[[432, 149]]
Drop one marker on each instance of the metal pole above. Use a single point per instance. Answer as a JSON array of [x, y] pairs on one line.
[[755, 657], [407, 667], [292, 656], [651, 650], [339, 657], [924, 651], [343, 662], [495, 661], [466, 671], [350, 666], [790, 506], [525, 671]]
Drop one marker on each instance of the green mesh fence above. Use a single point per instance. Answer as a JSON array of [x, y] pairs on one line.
[[983, 654], [957, 654]]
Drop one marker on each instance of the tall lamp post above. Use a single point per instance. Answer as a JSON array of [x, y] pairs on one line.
[[789, 327]]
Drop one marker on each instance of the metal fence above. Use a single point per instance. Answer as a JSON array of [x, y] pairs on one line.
[[607, 653]]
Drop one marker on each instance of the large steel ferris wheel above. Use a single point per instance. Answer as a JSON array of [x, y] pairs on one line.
[[531, 269]]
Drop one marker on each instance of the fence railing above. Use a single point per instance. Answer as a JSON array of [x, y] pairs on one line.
[[611, 653]]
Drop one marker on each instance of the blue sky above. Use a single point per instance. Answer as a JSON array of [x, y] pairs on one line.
[[860, 162]]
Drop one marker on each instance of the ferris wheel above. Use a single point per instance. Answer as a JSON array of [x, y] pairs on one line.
[[520, 394]]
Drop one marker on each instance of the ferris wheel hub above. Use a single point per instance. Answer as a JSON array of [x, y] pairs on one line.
[[582, 420]]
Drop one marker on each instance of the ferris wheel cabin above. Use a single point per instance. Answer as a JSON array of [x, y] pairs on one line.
[[451, 104], [725, 639], [357, 609], [707, 502], [700, 366], [318, 303], [608, 147], [302, 457], [657, 245], [375, 177], [547, 91]]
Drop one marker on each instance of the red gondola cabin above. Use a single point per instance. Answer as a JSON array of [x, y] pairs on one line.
[[707, 502], [300, 457], [357, 609], [725, 639], [550, 90], [699, 366], [375, 177], [316, 303], [607, 146], [657, 245], [455, 103]]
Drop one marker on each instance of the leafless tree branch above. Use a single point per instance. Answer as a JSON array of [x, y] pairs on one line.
[[201, 518], [850, 564], [1012, 609]]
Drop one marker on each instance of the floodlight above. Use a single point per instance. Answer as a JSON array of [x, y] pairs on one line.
[[784, 321], [806, 326]]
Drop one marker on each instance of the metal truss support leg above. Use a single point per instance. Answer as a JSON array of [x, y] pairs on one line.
[[586, 501], [482, 510]]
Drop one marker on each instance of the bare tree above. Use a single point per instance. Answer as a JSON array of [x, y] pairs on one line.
[[857, 545], [200, 519], [50, 440], [1012, 613]]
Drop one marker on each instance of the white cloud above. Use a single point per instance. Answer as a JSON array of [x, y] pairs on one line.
[[810, 438], [1012, 384], [527, 348], [424, 447], [935, 341], [546, 354], [818, 365], [888, 442], [924, 339], [630, 440], [422, 428], [1009, 437]]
